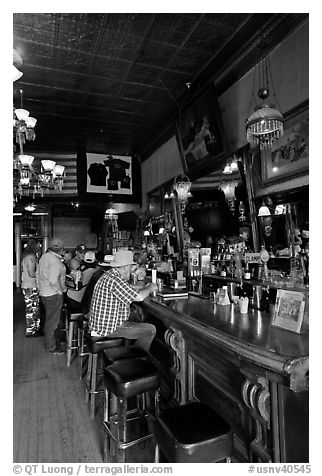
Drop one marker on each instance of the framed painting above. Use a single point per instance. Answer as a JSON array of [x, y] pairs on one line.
[[289, 156], [200, 135]]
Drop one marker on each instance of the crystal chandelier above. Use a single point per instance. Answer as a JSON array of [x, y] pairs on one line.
[[229, 190], [266, 124], [27, 180], [182, 186]]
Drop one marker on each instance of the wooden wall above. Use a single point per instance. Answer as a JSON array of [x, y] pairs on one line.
[[290, 67]]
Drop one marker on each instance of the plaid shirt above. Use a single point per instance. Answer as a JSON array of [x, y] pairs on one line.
[[110, 305]]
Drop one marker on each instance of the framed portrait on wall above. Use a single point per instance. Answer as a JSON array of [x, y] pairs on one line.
[[289, 156], [200, 134], [110, 174]]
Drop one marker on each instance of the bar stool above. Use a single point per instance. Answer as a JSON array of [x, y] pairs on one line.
[[192, 433], [125, 379], [96, 346], [82, 351], [72, 335]]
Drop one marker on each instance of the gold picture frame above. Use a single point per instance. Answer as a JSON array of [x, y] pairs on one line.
[[289, 155]]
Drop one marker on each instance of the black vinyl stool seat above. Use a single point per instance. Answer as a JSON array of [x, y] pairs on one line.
[[125, 379], [192, 433], [72, 334], [96, 345], [115, 354]]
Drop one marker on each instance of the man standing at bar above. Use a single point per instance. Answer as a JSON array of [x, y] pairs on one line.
[[110, 305], [76, 261], [51, 283]]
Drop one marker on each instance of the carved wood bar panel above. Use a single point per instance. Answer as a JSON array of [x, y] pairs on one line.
[[257, 381]]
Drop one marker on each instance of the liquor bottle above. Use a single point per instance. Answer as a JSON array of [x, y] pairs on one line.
[[238, 266], [223, 271], [247, 270], [232, 266]]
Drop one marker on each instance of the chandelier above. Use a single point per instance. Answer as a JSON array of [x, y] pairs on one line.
[[180, 190], [182, 186], [266, 124], [229, 190], [27, 180], [17, 61]]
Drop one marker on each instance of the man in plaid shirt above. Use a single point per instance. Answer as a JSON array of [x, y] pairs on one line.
[[110, 305]]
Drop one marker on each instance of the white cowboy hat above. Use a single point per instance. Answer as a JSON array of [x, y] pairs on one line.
[[122, 258]]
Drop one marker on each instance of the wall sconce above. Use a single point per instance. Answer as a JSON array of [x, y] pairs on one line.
[[231, 166]]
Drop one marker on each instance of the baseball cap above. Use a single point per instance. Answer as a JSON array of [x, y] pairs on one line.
[[107, 260], [89, 257], [81, 248], [56, 243]]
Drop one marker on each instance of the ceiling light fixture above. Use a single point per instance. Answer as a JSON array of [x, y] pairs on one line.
[[266, 124], [27, 181], [17, 61]]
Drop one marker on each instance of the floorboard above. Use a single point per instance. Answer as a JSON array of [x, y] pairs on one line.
[[50, 417]]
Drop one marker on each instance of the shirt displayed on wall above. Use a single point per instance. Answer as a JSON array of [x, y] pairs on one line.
[[97, 173], [117, 168], [112, 184], [126, 182]]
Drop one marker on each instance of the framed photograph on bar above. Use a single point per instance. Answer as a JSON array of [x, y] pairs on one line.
[[200, 135], [289, 310], [289, 156]]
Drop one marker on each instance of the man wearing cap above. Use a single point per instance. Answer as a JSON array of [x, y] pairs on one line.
[[51, 283], [77, 260], [110, 305], [75, 297]]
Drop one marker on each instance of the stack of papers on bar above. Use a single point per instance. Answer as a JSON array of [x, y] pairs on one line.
[[172, 294]]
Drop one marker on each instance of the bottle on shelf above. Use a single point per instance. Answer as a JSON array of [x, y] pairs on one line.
[[238, 266], [247, 274], [223, 271], [232, 266]]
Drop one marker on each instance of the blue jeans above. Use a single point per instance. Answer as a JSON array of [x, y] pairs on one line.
[[53, 306], [143, 332]]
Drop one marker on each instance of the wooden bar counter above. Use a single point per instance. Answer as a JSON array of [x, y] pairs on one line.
[[252, 373]]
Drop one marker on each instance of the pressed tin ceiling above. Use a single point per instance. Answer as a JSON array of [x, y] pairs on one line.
[[110, 82]]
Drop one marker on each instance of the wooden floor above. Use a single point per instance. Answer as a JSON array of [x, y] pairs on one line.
[[50, 417]]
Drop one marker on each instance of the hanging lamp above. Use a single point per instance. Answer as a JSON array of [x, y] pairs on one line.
[[266, 123]]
